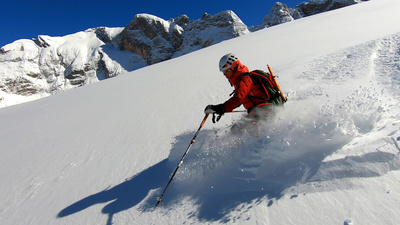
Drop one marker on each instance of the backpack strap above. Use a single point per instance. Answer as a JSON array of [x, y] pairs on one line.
[[268, 85], [265, 81], [258, 81]]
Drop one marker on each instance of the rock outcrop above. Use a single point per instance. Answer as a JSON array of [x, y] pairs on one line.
[[152, 38], [209, 30], [157, 40], [313, 7], [280, 13]]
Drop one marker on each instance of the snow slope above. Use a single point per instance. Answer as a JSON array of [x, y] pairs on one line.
[[102, 153]]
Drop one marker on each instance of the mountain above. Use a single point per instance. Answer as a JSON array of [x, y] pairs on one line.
[[280, 13], [31, 69], [313, 7], [157, 40], [101, 154], [49, 65]]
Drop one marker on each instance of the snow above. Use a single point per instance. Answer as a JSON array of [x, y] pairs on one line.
[[100, 154], [43, 70]]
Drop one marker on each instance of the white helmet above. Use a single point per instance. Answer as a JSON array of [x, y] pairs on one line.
[[227, 61]]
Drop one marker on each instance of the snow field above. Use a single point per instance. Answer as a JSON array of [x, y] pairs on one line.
[[102, 153], [340, 132]]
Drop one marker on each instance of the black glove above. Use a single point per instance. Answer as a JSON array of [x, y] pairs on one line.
[[215, 109]]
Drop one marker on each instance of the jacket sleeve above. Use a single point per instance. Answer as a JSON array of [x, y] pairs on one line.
[[242, 90]]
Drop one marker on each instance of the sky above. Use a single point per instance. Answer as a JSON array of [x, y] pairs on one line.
[[26, 19]]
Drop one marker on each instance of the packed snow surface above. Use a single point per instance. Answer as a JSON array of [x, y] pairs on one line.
[[101, 154]]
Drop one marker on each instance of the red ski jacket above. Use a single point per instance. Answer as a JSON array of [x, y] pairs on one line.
[[246, 92]]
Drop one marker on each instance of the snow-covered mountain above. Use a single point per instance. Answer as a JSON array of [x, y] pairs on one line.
[[31, 69], [48, 65], [281, 13], [102, 153], [157, 40], [313, 7]]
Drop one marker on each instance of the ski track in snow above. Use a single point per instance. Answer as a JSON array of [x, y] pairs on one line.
[[223, 170]]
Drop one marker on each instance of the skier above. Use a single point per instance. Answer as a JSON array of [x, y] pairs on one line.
[[246, 93]]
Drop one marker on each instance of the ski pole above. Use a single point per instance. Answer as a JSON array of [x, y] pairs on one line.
[[159, 199], [237, 111], [219, 116]]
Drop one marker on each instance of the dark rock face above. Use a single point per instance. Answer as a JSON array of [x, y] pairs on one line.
[[209, 30], [157, 40], [151, 37], [314, 7], [280, 13]]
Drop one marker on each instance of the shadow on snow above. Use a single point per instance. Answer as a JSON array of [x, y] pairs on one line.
[[221, 172]]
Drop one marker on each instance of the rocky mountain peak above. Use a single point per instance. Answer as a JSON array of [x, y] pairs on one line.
[[280, 13], [209, 30], [182, 20], [151, 37], [48, 65], [313, 7], [156, 39]]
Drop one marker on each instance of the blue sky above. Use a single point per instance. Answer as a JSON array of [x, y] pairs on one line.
[[26, 19]]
